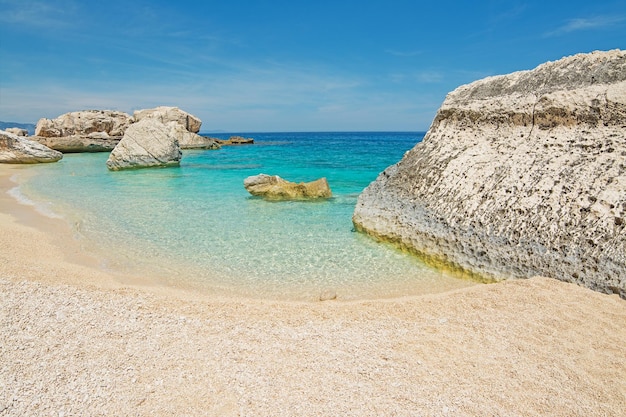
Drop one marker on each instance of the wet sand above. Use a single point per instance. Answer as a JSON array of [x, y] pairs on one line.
[[76, 339]]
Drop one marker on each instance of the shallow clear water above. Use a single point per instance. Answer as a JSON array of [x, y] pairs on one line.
[[196, 226]]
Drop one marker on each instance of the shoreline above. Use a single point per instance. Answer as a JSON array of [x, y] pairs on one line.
[[53, 236], [249, 264], [77, 339]]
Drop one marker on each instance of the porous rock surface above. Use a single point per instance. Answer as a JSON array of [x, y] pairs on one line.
[[20, 150], [190, 140], [147, 143], [273, 187], [83, 131], [18, 131], [93, 142], [82, 123], [166, 114], [236, 140], [519, 175]]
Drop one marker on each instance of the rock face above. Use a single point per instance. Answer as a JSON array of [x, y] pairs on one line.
[[19, 150], [236, 140], [17, 131], [94, 142], [82, 123], [273, 187], [101, 130], [83, 131], [166, 114], [195, 141], [519, 175], [190, 140], [147, 143]]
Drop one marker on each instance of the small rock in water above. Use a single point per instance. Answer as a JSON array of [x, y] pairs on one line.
[[326, 295], [273, 187]]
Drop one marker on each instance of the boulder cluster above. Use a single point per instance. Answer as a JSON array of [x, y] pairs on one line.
[[519, 175], [148, 138], [151, 137], [16, 149]]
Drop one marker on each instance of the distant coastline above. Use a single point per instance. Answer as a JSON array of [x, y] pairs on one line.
[[30, 127]]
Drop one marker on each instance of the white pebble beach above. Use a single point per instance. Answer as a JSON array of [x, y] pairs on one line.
[[77, 340]]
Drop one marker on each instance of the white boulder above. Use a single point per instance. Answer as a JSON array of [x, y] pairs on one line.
[[19, 150], [166, 114], [519, 175], [83, 123], [147, 143]]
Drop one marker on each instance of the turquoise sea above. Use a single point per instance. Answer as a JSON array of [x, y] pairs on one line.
[[196, 227]]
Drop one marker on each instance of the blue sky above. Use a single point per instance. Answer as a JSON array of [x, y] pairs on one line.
[[281, 65]]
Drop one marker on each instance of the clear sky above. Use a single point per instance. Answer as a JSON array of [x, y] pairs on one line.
[[281, 65]]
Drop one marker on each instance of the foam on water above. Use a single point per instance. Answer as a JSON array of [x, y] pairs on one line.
[[196, 226], [41, 208]]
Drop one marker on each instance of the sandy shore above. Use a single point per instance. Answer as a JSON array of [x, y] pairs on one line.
[[78, 340]]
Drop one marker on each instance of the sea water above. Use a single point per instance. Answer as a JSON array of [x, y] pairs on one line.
[[196, 227]]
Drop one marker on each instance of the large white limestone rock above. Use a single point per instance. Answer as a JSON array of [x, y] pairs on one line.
[[82, 123], [190, 140], [18, 131], [519, 175], [170, 114], [20, 150], [147, 143], [93, 142], [83, 131]]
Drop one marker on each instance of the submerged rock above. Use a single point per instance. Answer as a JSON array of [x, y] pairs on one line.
[[236, 140], [519, 175], [148, 143], [273, 187], [327, 295], [94, 142], [19, 150]]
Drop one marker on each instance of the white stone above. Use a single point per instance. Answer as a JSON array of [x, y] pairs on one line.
[[273, 187], [190, 140], [17, 131], [148, 143], [167, 114], [19, 150], [82, 123], [519, 175]]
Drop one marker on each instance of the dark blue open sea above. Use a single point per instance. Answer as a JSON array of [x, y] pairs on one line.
[[196, 227]]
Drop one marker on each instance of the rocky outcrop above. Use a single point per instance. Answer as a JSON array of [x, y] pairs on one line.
[[190, 140], [17, 131], [19, 150], [82, 123], [166, 114], [101, 130], [94, 142], [83, 131], [235, 140], [147, 143], [195, 141], [519, 175], [273, 187]]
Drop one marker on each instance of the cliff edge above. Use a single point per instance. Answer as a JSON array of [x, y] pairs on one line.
[[519, 175]]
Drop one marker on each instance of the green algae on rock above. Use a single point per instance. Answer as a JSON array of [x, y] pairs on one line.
[[273, 187]]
